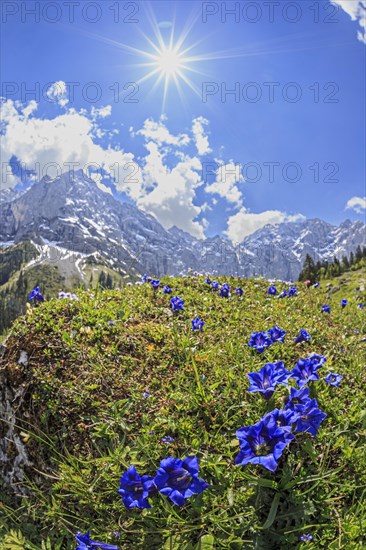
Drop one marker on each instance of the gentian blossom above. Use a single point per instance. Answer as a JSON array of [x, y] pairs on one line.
[[197, 324], [86, 543], [277, 334], [224, 290], [284, 418], [272, 290], [298, 397], [283, 294], [178, 479], [134, 489], [239, 291], [146, 394], [360, 306], [333, 379], [144, 278], [36, 295], [167, 290], [167, 439], [292, 291], [305, 538], [325, 308], [155, 283], [303, 336], [305, 371], [310, 417], [267, 378], [208, 280], [316, 285], [316, 359], [259, 341], [215, 285], [177, 304], [263, 443], [344, 303]]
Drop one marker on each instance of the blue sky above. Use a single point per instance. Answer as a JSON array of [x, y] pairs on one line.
[[208, 162]]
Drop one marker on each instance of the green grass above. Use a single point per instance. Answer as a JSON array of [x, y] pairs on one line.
[[83, 419]]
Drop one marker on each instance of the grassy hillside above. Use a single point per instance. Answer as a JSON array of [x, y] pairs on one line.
[[18, 276], [117, 379]]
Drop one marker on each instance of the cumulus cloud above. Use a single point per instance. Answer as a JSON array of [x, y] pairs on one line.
[[53, 146], [356, 9], [243, 223], [200, 137], [169, 192], [225, 184], [158, 132], [57, 93], [358, 204], [68, 141]]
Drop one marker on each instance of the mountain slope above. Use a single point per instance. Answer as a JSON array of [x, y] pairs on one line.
[[72, 214]]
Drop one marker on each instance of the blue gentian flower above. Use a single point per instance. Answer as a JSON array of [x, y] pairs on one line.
[[167, 290], [333, 379], [134, 489], [298, 397], [224, 290], [197, 324], [86, 543], [178, 479], [36, 295], [144, 278], [310, 417], [155, 283], [316, 285], [284, 418], [316, 359], [292, 291], [303, 336], [283, 294], [267, 378], [239, 291], [360, 306], [167, 439], [177, 304], [277, 334], [215, 285], [325, 308], [259, 341], [344, 303], [208, 280], [305, 371], [272, 290], [305, 538], [263, 443], [146, 394]]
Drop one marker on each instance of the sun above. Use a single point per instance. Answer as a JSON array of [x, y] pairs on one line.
[[169, 61]]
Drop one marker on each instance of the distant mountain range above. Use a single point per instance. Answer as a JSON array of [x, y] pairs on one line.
[[71, 221]]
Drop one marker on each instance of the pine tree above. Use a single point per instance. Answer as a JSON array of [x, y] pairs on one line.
[[358, 254], [308, 271]]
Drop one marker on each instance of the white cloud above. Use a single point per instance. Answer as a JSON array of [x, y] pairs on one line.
[[200, 138], [57, 92], [169, 193], [44, 144], [358, 204], [102, 112], [158, 132], [244, 223], [225, 184], [356, 9]]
